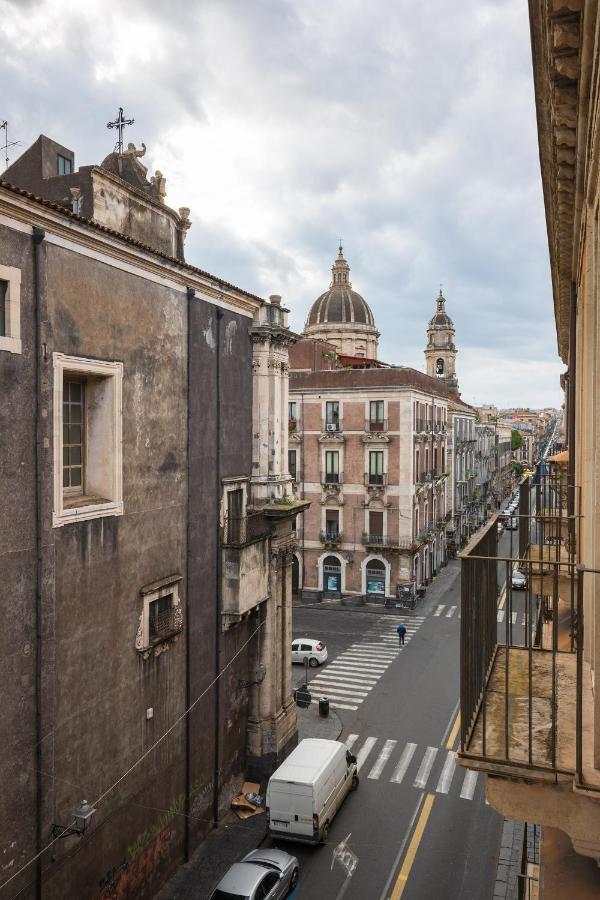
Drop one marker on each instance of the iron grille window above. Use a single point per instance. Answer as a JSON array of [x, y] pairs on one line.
[[161, 619], [73, 436], [235, 504], [332, 524], [292, 463], [332, 413], [376, 467], [332, 466], [3, 316], [64, 165], [376, 415]]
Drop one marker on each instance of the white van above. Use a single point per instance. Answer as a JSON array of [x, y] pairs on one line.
[[307, 790]]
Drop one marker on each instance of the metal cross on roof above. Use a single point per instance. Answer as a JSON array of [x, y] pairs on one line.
[[119, 124]]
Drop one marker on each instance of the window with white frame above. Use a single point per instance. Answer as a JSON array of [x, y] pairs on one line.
[[88, 456], [376, 474], [332, 466], [10, 309], [162, 617]]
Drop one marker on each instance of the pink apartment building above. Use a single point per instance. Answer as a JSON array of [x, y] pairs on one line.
[[368, 448]]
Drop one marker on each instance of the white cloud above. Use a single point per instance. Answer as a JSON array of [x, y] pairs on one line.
[[283, 124]]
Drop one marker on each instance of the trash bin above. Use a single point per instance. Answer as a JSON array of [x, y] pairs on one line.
[[324, 706]]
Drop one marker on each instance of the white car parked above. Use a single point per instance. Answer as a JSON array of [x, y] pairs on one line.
[[307, 648]]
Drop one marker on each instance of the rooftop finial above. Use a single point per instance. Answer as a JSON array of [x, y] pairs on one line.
[[119, 124], [341, 253]]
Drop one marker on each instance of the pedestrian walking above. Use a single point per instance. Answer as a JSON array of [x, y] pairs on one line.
[[401, 629]]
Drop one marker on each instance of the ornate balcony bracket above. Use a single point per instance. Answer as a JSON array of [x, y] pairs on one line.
[[375, 437], [331, 437]]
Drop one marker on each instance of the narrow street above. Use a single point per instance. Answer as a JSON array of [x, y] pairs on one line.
[[418, 824]]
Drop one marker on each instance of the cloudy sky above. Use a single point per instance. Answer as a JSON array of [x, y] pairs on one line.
[[407, 129]]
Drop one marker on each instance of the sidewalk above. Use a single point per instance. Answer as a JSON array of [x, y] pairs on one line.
[[234, 838], [443, 580]]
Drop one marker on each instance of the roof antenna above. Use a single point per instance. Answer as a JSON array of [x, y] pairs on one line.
[[7, 143], [119, 124]]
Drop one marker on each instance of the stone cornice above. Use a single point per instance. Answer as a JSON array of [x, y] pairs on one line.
[[560, 59], [23, 211]]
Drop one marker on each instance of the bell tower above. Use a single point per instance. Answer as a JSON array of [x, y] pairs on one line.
[[440, 352]]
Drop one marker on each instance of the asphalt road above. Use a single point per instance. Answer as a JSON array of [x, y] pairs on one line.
[[418, 824]]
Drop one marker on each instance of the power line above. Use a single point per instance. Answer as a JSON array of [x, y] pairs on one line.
[[105, 793]]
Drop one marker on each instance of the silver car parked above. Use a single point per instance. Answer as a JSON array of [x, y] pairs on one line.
[[261, 875]]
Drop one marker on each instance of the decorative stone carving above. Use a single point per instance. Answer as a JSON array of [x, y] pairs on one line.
[[565, 35], [565, 136], [159, 181], [567, 66]]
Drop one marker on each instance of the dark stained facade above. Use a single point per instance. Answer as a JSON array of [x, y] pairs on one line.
[[143, 367]]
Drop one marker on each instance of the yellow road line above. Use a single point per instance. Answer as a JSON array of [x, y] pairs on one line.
[[412, 848], [502, 599], [453, 733]]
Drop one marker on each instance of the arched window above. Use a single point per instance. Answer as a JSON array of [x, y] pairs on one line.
[[439, 367], [375, 577], [332, 574]]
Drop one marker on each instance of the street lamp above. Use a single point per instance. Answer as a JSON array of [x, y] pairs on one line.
[[82, 816]]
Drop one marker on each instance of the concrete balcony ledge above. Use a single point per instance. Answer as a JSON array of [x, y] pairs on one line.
[[513, 730]]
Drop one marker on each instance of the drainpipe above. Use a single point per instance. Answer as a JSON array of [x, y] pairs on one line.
[[191, 293], [302, 483], [571, 421], [217, 722], [38, 270]]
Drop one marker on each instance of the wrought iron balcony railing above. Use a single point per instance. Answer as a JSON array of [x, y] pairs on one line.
[[376, 425], [522, 627], [375, 479], [241, 530]]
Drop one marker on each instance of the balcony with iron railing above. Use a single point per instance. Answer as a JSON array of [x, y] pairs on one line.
[[375, 479], [332, 478], [331, 537], [376, 425], [525, 697], [241, 530]]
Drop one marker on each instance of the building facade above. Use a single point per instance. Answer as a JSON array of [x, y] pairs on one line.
[[541, 743], [147, 515], [368, 449]]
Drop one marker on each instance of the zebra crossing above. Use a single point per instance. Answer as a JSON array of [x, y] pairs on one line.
[[448, 613], [431, 768], [349, 678]]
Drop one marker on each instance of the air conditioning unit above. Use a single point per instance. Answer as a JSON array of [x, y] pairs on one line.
[[331, 426]]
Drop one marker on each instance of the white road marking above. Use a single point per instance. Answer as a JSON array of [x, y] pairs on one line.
[[343, 696], [341, 706], [438, 611], [405, 760], [367, 680], [357, 665], [451, 612], [445, 780], [364, 752], [382, 759], [500, 615], [513, 618], [469, 784], [425, 767], [373, 650], [351, 740], [338, 687]]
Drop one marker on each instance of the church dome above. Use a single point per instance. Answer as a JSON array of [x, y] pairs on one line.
[[340, 304]]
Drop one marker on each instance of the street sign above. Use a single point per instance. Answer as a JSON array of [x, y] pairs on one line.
[[302, 696]]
